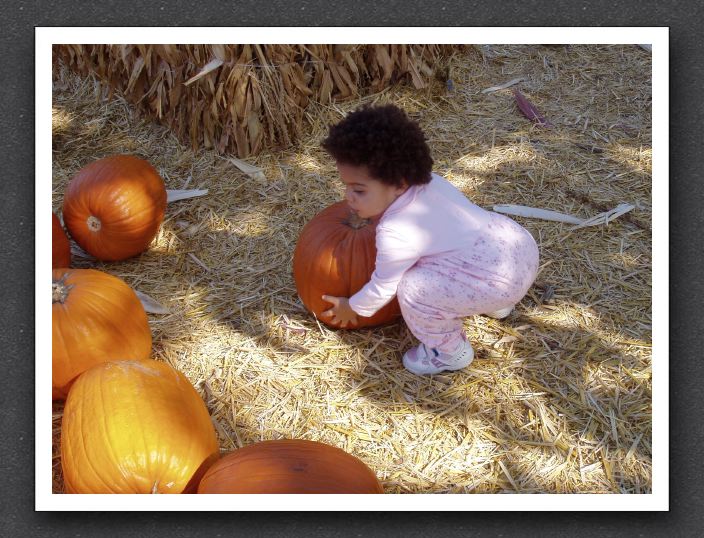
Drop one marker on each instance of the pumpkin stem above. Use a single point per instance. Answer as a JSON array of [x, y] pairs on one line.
[[59, 290], [93, 223], [356, 222]]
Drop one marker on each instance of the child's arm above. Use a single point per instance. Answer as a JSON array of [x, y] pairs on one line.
[[395, 255]]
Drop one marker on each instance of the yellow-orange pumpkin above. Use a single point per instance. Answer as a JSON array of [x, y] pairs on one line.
[[114, 206], [335, 255], [60, 248], [135, 427], [289, 466], [95, 317]]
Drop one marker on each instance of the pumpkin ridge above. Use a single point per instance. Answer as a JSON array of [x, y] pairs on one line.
[[85, 451], [346, 252], [125, 467], [108, 435], [71, 370], [122, 331], [307, 259], [149, 470], [71, 327], [139, 216], [126, 326]]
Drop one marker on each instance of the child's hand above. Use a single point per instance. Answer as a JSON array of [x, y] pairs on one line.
[[341, 312]]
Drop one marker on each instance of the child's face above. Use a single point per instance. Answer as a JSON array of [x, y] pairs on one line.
[[366, 196]]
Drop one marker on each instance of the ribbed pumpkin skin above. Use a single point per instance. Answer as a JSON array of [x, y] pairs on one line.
[[60, 247], [124, 197], [135, 427], [333, 258], [96, 318], [289, 466]]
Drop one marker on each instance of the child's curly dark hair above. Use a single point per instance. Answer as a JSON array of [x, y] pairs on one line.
[[386, 141]]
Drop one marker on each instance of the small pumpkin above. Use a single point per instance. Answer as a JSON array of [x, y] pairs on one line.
[[135, 427], [335, 255], [113, 207], [60, 247], [289, 466], [95, 317]]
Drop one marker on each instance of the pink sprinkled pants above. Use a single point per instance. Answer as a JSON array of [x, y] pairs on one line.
[[494, 273]]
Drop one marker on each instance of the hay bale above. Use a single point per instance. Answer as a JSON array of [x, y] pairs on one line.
[[241, 98]]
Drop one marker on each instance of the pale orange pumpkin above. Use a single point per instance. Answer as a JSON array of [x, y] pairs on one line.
[[135, 427], [60, 247], [289, 466], [335, 255], [95, 317], [114, 206]]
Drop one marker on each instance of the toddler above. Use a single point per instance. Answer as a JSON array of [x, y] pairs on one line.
[[444, 257]]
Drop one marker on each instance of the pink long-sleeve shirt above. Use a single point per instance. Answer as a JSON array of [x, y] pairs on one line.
[[426, 220]]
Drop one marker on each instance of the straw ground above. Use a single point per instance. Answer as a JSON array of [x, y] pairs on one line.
[[559, 397]]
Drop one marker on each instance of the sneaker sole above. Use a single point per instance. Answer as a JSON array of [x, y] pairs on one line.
[[405, 362], [502, 314]]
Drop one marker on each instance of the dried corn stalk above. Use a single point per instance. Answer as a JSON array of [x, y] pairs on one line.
[[241, 98]]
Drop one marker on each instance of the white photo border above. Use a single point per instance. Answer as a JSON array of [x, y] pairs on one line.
[[658, 37]]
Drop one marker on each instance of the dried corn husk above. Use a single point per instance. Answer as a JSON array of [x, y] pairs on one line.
[[504, 85], [173, 195], [547, 214], [528, 109], [535, 212], [151, 305]]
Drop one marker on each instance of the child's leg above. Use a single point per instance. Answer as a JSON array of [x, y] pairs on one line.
[[512, 256], [438, 292], [501, 266], [429, 307], [427, 299]]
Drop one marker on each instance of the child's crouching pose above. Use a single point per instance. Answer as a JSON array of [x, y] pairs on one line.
[[444, 257]]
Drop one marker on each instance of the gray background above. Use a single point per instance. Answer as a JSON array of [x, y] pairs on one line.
[[18, 19]]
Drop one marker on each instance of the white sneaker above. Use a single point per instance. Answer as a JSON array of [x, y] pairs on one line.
[[500, 314], [422, 360]]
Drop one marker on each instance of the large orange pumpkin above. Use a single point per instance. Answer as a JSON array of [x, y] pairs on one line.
[[95, 317], [335, 255], [60, 248], [289, 466], [135, 427], [114, 206]]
